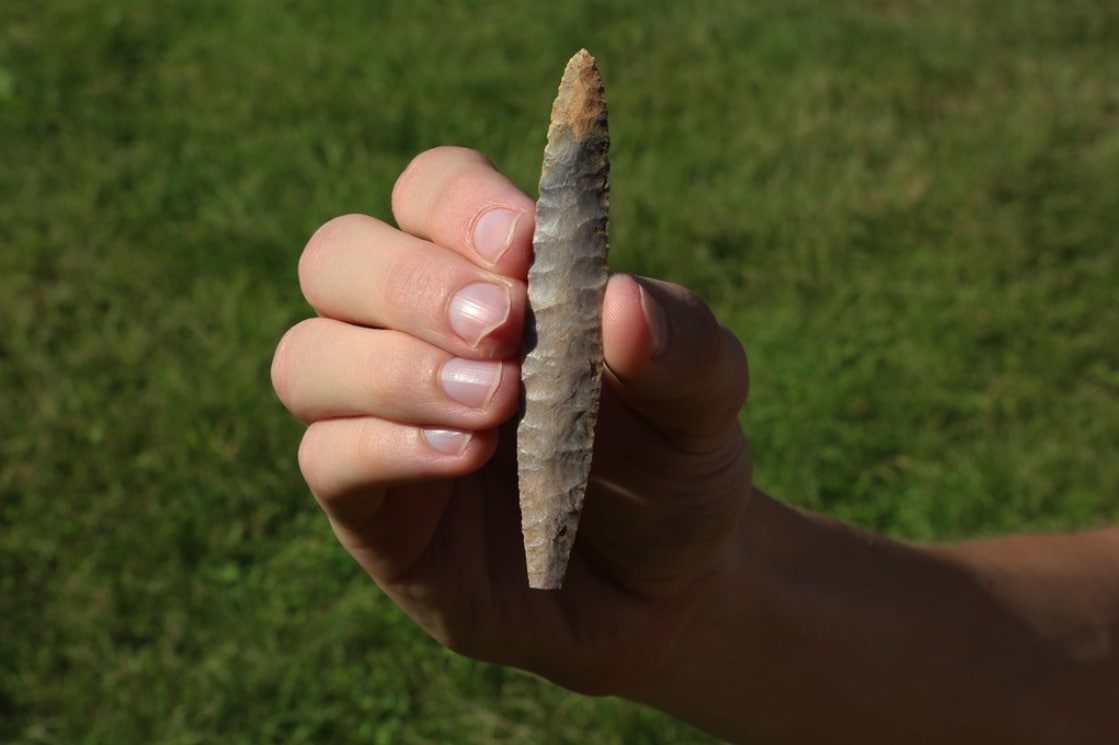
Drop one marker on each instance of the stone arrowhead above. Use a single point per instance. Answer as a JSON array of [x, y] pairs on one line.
[[562, 370]]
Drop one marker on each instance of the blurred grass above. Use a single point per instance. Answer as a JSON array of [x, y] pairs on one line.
[[907, 210]]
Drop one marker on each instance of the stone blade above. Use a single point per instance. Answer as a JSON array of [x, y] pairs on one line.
[[562, 372]]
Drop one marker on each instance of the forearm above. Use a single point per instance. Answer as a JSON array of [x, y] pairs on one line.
[[819, 632]]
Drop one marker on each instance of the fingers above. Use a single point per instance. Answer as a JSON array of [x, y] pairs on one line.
[[452, 276], [360, 270], [409, 369], [672, 361], [326, 369], [456, 198], [349, 462]]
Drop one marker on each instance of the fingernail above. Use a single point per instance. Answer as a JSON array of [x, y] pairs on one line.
[[655, 321], [494, 233], [477, 309], [470, 382], [447, 441]]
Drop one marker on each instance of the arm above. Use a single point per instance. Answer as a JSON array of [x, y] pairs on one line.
[[866, 640], [688, 589]]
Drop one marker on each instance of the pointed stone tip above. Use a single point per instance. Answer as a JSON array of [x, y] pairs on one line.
[[579, 65], [582, 57], [581, 103]]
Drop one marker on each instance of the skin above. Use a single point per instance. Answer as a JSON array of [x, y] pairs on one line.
[[689, 589]]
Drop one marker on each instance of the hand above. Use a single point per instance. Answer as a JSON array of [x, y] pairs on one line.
[[409, 382]]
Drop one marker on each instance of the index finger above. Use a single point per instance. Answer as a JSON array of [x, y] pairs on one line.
[[455, 197]]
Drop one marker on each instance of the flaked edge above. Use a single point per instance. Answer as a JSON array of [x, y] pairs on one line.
[[579, 119]]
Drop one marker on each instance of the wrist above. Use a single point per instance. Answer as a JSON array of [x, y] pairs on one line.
[[770, 636], [727, 633]]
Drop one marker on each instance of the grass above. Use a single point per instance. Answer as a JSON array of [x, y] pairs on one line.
[[907, 211]]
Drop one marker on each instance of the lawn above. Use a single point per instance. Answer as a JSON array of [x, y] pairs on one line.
[[909, 212]]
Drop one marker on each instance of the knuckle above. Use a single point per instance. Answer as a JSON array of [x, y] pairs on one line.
[[405, 180], [726, 383], [420, 169], [281, 371], [736, 367], [337, 456], [310, 457], [706, 332], [321, 247], [285, 368], [428, 180], [700, 337]]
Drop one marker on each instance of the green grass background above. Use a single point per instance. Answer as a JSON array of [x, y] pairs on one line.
[[907, 209]]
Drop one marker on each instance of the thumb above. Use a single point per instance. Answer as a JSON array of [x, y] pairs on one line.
[[671, 361]]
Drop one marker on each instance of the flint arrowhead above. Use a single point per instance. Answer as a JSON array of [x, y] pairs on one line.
[[562, 370]]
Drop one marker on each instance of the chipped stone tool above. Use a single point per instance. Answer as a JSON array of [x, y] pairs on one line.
[[562, 370]]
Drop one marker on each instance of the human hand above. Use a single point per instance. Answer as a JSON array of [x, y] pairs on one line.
[[408, 380]]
